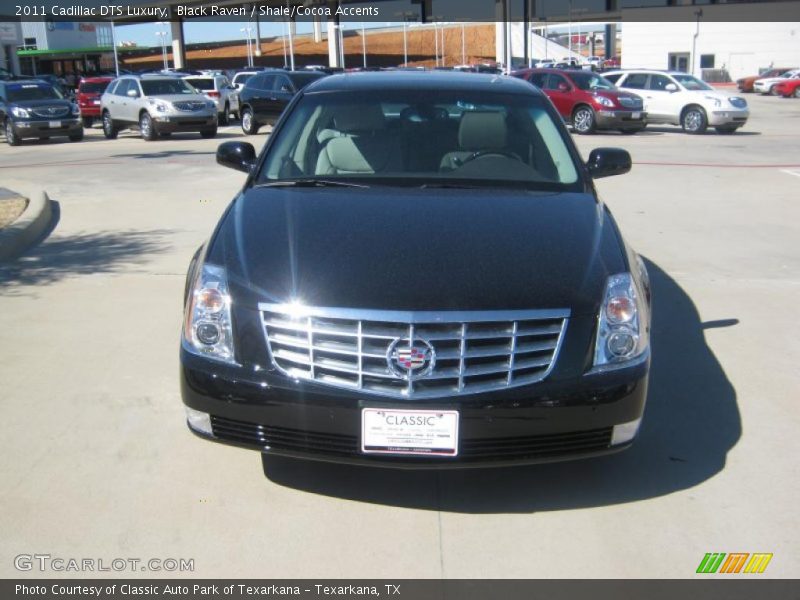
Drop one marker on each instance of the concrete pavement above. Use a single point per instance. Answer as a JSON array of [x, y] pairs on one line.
[[98, 463]]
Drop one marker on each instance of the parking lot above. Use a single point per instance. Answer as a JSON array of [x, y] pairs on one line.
[[99, 462]]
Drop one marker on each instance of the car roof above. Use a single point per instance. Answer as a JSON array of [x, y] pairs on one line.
[[422, 80], [99, 79]]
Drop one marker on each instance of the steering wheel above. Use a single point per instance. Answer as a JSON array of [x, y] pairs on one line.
[[485, 153]]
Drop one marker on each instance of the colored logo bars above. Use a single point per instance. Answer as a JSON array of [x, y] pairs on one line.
[[736, 562]]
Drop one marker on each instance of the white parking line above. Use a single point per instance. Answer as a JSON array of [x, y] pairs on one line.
[[796, 173]]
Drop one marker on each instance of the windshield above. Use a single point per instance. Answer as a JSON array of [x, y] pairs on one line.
[[93, 87], [242, 77], [422, 137], [162, 87], [301, 80], [31, 91], [202, 83], [590, 81], [692, 83]]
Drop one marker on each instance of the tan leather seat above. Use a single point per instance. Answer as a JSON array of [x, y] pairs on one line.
[[478, 131]]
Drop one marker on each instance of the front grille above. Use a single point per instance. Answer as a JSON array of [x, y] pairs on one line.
[[470, 352], [50, 112], [507, 448], [629, 102], [189, 106], [537, 445]]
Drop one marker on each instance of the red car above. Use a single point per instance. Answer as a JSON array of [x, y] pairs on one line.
[[588, 100], [788, 88], [89, 91]]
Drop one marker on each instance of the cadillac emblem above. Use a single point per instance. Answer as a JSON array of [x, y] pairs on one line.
[[410, 359]]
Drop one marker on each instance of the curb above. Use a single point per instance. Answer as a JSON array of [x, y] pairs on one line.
[[15, 238]]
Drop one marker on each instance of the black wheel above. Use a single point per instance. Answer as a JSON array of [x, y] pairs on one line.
[[208, 133], [222, 119], [76, 137], [693, 120], [726, 129], [87, 122], [583, 120], [11, 136], [146, 127], [249, 125], [109, 129], [772, 91]]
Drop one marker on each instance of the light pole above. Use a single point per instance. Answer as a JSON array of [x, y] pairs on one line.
[[463, 47], [162, 34], [283, 39], [247, 31], [697, 14], [364, 44], [114, 43], [406, 16]]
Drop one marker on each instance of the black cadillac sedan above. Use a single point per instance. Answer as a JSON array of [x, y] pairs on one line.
[[418, 272]]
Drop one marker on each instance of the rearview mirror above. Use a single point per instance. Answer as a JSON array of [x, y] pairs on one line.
[[237, 155], [604, 162], [671, 87]]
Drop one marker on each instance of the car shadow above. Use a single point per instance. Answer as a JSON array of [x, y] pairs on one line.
[[54, 258], [161, 154], [690, 424]]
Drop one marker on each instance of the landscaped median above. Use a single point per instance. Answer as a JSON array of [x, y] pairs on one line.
[[22, 221]]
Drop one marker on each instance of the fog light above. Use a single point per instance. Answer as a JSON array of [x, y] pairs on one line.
[[200, 421], [208, 333], [625, 432], [621, 343]]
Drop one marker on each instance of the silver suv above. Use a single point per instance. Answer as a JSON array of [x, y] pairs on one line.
[[156, 105], [219, 90]]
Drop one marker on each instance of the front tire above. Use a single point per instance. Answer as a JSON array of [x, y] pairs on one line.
[[146, 127], [694, 120], [11, 136], [583, 120], [249, 125], [109, 129]]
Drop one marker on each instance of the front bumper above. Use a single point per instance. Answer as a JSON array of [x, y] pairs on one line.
[[544, 422], [90, 110], [621, 119], [722, 116], [171, 123], [27, 129]]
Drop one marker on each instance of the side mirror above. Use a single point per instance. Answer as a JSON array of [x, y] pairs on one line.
[[604, 162], [237, 155], [133, 94], [671, 87]]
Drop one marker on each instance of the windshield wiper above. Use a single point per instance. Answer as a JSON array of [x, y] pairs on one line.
[[449, 185], [311, 183]]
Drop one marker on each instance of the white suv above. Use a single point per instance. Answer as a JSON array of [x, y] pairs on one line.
[[767, 85], [219, 90], [156, 105], [681, 99]]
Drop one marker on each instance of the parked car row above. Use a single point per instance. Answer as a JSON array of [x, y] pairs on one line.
[[781, 85], [630, 100], [769, 81]]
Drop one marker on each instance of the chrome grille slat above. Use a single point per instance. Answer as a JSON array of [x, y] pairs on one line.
[[475, 352]]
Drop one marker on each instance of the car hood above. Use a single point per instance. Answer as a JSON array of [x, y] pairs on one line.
[[172, 98], [411, 249]]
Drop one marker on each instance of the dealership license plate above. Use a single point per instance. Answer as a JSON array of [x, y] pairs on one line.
[[418, 432], [636, 115], [54, 123]]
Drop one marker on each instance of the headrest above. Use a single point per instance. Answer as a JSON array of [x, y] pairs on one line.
[[360, 117], [347, 155], [482, 131]]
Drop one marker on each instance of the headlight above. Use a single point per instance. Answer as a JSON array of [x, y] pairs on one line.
[[20, 112], [717, 102], [738, 102], [211, 105], [160, 105], [76, 110], [604, 101], [207, 329], [622, 333]]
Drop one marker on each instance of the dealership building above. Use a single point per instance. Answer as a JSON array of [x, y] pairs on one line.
[[711, 49], [61, 47]]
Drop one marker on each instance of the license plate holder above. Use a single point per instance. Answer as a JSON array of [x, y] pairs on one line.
[[636, 115], [54, 124], [405, 432]]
